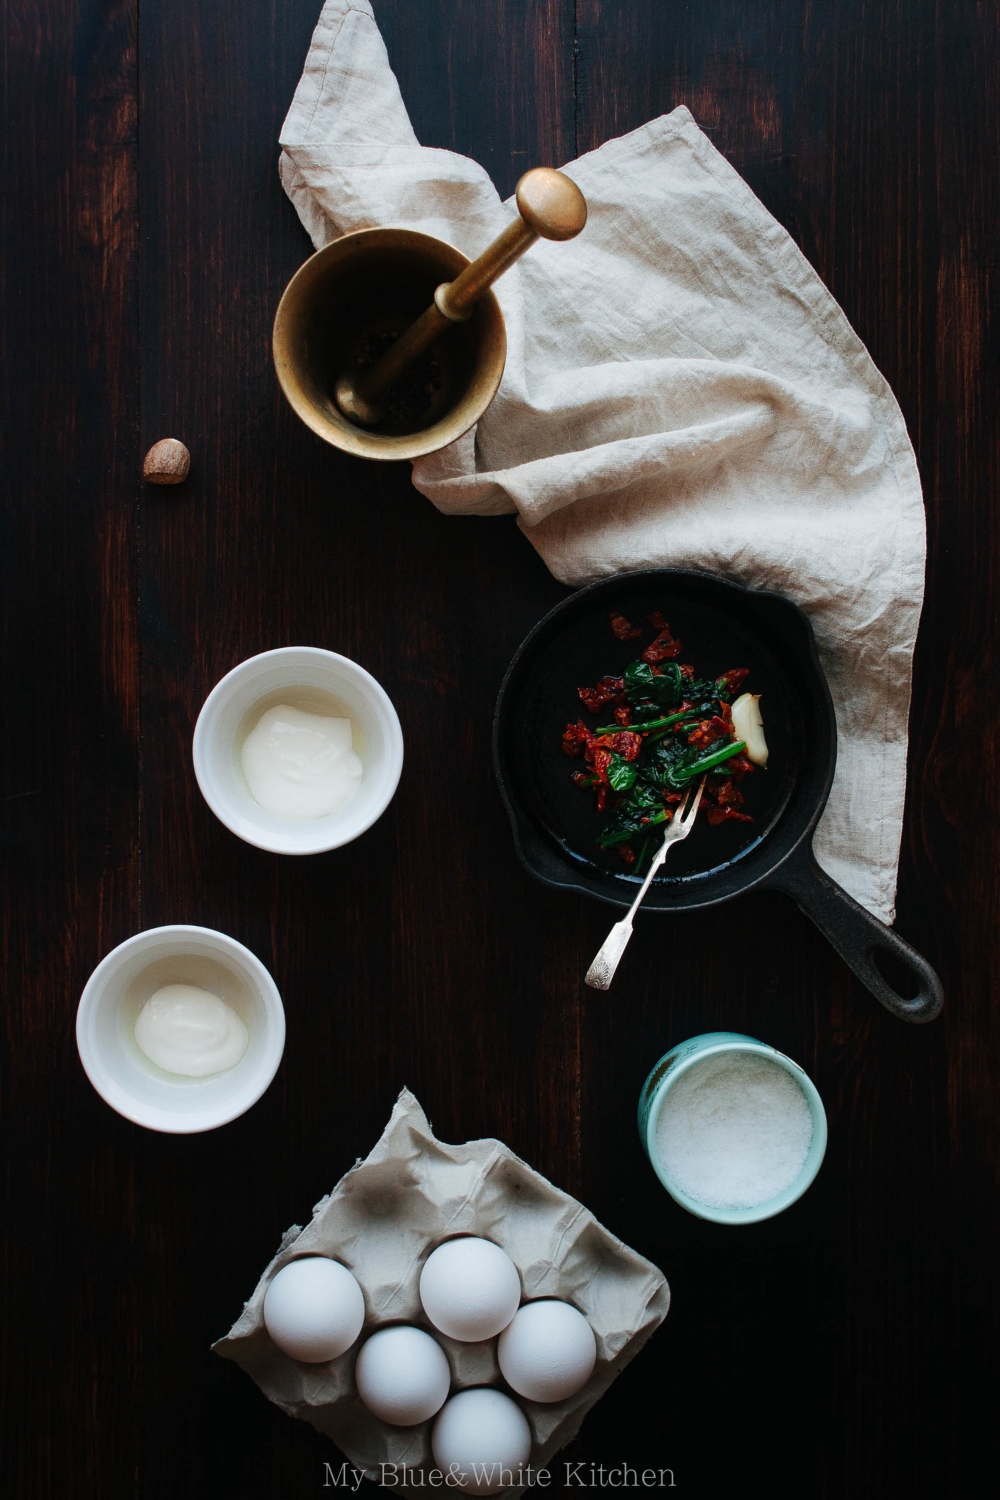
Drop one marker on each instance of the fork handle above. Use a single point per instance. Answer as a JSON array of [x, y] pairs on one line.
[[602, 970]]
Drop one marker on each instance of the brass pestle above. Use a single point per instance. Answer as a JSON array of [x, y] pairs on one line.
[[550, 206]]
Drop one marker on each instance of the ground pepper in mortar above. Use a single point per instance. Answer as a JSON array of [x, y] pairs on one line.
[[670, 728], [409, 400]]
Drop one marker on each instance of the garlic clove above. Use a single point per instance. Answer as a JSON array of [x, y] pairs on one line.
[[749, 726]]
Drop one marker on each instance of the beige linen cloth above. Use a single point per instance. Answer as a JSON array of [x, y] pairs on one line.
[[681, 390]]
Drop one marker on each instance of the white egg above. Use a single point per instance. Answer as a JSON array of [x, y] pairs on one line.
[[547, 1352], [482, 1439], [402, 1375], [314, 1309], [470, 1289]]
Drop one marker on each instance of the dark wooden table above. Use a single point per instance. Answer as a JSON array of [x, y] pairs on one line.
[[845, 1348]]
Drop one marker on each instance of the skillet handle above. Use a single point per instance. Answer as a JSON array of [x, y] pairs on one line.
[[858, 936]]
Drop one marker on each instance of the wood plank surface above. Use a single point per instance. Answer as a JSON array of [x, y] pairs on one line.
[[840, 1349], [70, 878]]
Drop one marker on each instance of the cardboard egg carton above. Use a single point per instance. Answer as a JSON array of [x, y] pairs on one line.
[[382, 1220]]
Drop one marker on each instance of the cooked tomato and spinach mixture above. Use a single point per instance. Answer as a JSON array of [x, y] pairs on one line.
[[663, 728]]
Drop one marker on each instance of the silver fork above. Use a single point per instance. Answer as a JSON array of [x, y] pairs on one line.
[[602, 970]]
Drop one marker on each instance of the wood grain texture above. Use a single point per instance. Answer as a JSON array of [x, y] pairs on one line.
[[837, 1350], [864, 129], [68, 302]]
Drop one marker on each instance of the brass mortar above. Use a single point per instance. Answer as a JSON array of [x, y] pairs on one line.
[[359, 288]]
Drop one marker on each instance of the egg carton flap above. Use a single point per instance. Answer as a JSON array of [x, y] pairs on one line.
[[383, 1219]]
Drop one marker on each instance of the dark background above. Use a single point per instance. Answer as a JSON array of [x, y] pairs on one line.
[[846, 1348]]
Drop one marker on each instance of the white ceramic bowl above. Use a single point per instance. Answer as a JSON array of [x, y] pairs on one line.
[[312, 679], [120, 986]]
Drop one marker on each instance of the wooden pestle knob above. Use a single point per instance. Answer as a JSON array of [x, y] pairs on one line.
[[550, 206]]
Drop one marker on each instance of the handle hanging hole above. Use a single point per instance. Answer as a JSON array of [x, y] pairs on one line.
[[897, 975]]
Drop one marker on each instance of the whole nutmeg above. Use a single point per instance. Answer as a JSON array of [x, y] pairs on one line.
[[167, 462]]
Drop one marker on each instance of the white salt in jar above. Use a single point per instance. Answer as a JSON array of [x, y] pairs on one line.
[[734, 1129]]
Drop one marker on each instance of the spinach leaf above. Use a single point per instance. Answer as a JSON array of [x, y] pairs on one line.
[[655, 689], [639, 801], [625, 835], [666, 756], [621, 773], [679, 769], [637, 677], [669, 686], [687, 769]]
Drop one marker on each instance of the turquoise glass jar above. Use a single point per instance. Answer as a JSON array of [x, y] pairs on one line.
[[672, 1066]]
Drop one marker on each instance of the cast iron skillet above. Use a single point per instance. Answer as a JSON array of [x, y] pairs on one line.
[[721, 625]]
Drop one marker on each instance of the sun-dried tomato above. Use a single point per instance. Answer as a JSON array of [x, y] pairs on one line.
[[687, 671], [722, 801], [740, 766], [657, 621], [682, 708], [602, 798], [708, 731], [582, 778], [626, 742], [608, 690], [717, 815], [576, 737], [622, 628], [664, 648], [623, 715], [726, 794], [600, 759], [627, 853], [734, 679]]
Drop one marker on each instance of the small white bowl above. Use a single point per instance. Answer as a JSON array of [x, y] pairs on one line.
[[118, 989], [312, 679]]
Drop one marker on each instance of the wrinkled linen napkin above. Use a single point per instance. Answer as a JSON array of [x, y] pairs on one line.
[[681, 390], [383, 1218]]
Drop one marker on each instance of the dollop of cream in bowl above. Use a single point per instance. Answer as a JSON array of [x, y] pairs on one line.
[[189, 1031], [300, 765]]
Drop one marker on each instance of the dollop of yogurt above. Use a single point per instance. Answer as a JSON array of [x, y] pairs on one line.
[[185, 1030], [300, 765]]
